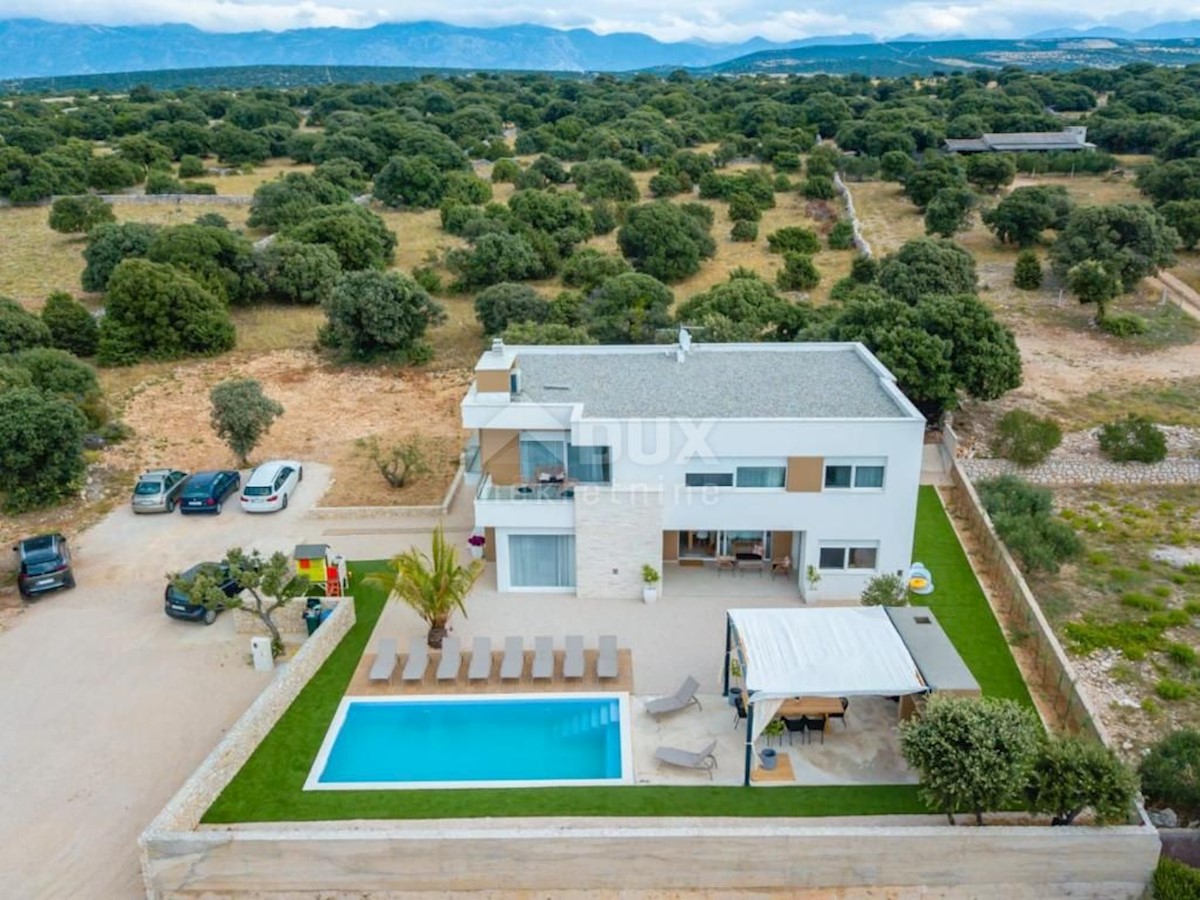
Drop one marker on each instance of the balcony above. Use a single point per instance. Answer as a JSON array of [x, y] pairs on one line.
[[524, 492], [524, 505]]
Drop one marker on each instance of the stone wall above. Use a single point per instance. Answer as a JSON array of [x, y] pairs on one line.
[[860, 241], [1082, 470], [289, 620], [380, 512], [617, 531]]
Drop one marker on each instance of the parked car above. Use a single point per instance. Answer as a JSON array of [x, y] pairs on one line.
[[158, 490], [268, 487], [205, 492], [45, 564], [178, 603]]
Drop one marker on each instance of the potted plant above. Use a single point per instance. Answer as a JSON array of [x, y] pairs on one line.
[[476, 542], [812, 576], [735, 672], [650, 579]]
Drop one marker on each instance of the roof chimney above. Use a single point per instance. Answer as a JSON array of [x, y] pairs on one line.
[[497, 346], [685, 344]]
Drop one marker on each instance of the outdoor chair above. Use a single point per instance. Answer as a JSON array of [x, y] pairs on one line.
[[781, 565], [681, 699], [606, 660], [686, 759], [726, 562], [418, 660], [842, 714], [513, 663], [811, 724], [385, 661], [739, 706], [794, 727], [543, 658], [451, 660], [573, 659], [481, 660]]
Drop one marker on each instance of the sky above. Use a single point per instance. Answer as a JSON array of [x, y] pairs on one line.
[[722, 21]]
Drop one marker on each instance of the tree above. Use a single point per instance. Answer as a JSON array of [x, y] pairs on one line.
[[493, 258], [500, 305], [662, 240], [927, 266], [111, 173], [985, 359], [1092, 282], [400, 463], [795, 239], [1022, 216], [588, 268], [72, 327], [360, 238], [288, 200], [298, 273], [799, 273], [1027, 273], [41, 448], [372, 314], [80, 214], [744, 232], [1184, 217], [1178, 179], [108, 245], [191, 166], [895, 165], [271, 582], [605, 179], [414, 182], [60, 374], [990, 171], [1130, 240], [629, 309], [220, 259], [1171, 772], [518, 333], [750, 302], [432, 585], [1072, 774], [20, 328], [1132, 439], [154, 311], [973, 755], [949, 211], [242, 414], [922, 185]]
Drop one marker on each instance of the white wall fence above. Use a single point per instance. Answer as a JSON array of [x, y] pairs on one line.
[[863, 245]]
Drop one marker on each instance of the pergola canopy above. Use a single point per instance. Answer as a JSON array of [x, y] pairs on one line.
[[822, 652]]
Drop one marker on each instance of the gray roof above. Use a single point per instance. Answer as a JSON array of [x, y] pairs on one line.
[[750, 382], [1069, 139], [967, 145], [941, 666]]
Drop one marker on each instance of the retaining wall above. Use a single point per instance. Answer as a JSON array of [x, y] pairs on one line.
[[1067, 472], [379, 512]]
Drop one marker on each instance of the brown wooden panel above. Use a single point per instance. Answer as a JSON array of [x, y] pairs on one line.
[[805, 474], [489, 547], [500, 455], [781, 544], [492, 381], [670, 546]]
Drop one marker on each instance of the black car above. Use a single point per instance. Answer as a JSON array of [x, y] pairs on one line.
[[45, 564], [205, 492], [178, 604]]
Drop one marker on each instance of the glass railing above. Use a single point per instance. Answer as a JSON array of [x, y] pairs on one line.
[[489, 491]]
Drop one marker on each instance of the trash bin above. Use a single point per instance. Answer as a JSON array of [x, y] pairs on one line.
[[767, 756], [312, 618]]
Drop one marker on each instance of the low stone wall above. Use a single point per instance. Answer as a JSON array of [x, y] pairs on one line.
[[380, 512], [289, 620], [860, 242], [1081, 471]]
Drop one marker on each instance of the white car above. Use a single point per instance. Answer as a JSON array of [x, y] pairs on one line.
[[268, 487]]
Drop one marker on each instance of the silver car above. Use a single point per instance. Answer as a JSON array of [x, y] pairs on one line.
[[158, 490]]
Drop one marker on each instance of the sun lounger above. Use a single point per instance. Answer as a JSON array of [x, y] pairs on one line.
[[418, 661], [606, 661], [481, 660], [385, 661], [573, 660], [451, 660], [543, 657], [681, 699], [513, 663], [686, 759]]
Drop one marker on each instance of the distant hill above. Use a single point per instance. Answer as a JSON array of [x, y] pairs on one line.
[[1163, 31]]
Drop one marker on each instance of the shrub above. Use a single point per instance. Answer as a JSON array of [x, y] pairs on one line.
[[41, 448], [793, 238], [841, 236], [108, 245], [1024, 438], [163, 183], [20, 329], [744, 231], [242, 414], [374, 313], [78, 215], [799, 273], [1072, 774], [864, 269], [1174, 880], [501, 304], [506, 169], [1171, 772], [1124, 325], [665, 241], [742, 208], [1027, 273], [518, 333], [885, 590], [817, 187], [1133, 439], [1171, 689], [298, 273], [588, 268], [191, 167], [72, 327], [1022, 515]]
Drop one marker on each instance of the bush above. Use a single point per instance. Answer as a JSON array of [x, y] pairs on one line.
[[742, 208], [864, 269], [927, 267], [242, 414], [298, 273], [1174, 880], [1072, 774], [501, 304], [72, 327], [628, 309], [163, 183], [841, 236], [588, 268], [41, 447], [799, 273], [79, 215], [885, 590], [817, 187], [1124, 325], [1024, 438], [1171, 773], [664, 240], [1027, 273], [108, 245], [744, 231], [360, 238], [191, 167], [795, 239], [1023, 517], [518, 333], [1133, 439], [20, 329], [505, 170], [373, 314], [59, 373]]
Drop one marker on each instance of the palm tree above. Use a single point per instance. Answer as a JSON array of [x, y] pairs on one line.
[[434, 586]]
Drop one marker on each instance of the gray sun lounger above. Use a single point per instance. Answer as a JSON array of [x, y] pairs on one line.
[[686, 759], [451, 660], [418, 661], [573, 659], [681, 699], [481, 660], [513, 663], [606, 661], [385, 661], [543, 657]]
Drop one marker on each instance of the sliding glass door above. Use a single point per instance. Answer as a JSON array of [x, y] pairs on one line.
[[541, 560]]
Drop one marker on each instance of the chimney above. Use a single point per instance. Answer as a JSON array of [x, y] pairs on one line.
[[685, 344], [497, 346]]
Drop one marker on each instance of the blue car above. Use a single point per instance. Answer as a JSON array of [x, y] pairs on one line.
[[205, 492], [178, 604]]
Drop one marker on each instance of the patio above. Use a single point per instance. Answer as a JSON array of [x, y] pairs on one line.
[[745, 587]]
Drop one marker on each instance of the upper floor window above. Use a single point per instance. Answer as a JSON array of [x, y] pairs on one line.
[[852, 474], [761, 476], [859, 555], [548, 456], [708, 479]]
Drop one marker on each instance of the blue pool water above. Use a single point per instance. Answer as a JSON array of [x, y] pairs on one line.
[[476, 740]]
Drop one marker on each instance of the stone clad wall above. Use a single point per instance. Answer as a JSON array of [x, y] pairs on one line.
[[616, 528], [1065, 472]]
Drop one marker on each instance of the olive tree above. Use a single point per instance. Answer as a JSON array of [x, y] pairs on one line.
[[241, 414], [1072, 774]]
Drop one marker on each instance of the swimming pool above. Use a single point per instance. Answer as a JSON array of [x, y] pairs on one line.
[[503, 740]]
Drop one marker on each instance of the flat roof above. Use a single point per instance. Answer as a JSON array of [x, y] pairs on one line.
[[725, 381], [941, 666]]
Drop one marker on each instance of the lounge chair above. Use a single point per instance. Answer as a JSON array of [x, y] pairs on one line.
[[481, 660], [681, 699], [385, 661], [513, 663], [573, 659], [451, 660], [686, 759], [418, 660], [606, 661], [543, 658]]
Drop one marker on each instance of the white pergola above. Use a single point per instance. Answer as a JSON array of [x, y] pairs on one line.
[[815, 652]]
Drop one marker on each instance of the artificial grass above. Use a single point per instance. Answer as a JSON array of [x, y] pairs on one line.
[[269, 788], [960, 605]]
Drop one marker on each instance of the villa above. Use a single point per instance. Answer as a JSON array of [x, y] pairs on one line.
[[795, 461]]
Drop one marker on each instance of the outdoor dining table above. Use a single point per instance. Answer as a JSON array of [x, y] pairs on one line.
[[810, 706]]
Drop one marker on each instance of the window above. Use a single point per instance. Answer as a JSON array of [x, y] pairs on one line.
[[854, 475], [848, 556], [542, 454], [761, 476], [708, 479], [589, 464], [541, 560]]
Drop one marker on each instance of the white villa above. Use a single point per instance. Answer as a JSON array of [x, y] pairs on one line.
[[799, 461]]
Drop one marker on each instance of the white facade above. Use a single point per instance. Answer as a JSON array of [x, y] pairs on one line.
[[647, 510]]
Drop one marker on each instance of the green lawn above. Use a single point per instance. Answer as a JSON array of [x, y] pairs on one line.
[[960, 605], [269, 788]]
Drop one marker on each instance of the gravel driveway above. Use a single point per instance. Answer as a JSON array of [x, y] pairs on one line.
[[107, 705]]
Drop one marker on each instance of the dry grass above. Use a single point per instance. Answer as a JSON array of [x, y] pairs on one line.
[[261, 329], [245, 183], [359, 483], [1093, 190], [888, 218], [418, 235], [1165, 402]]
